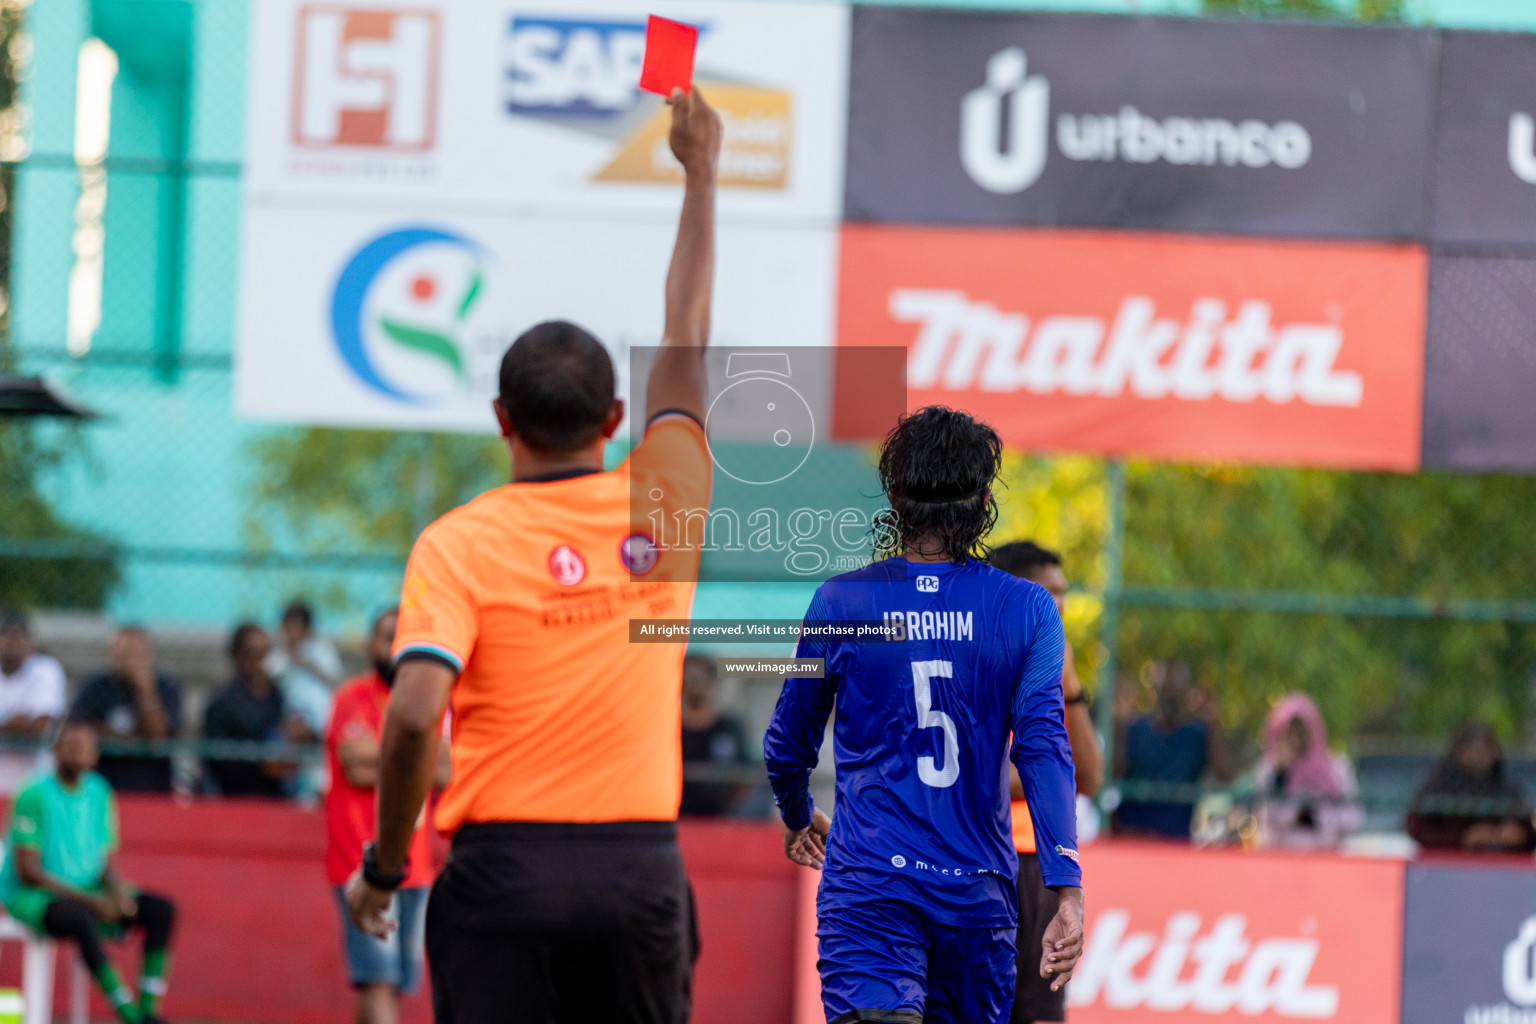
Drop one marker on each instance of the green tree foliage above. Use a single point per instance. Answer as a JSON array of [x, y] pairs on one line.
[[1435, 537], [1250, 531], [351, 492], [79, 581], [1358, 10]]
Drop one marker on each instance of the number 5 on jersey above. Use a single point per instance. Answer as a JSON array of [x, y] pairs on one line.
[[928, 769]]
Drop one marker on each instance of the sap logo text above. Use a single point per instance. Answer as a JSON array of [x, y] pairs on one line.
[[573, 68], [1186, 970], [1128, 135], [963, 344], [366, 78], [928, 584]]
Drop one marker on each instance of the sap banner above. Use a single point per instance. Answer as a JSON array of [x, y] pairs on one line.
[[379, 320], [1173, 346], [498, 105], [1163, 123]]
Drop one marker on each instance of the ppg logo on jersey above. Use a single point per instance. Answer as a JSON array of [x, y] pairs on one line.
[[928, 584]]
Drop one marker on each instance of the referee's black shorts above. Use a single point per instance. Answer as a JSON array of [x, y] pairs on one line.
[[1033, 999], [551, 923]]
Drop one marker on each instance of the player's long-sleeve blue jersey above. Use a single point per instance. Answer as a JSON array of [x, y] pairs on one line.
[[920, 735]]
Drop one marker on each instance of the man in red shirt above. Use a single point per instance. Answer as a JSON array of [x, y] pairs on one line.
[[380, 969]]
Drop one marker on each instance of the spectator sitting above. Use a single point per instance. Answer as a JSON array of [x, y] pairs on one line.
[[1306, 795], [307, 668], [31, 701], [1469, 803], [59, 879], [709, 737], [250, 708], [1172, 746], [379, 969], [132, 701]]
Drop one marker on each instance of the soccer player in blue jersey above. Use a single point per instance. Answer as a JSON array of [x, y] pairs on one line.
[[917, 909]]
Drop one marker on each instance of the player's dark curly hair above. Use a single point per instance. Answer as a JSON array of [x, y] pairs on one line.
[[937, 468]]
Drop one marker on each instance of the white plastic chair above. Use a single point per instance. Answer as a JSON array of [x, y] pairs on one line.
[[37, 959]]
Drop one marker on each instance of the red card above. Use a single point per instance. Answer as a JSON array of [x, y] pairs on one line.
[[669, 47]]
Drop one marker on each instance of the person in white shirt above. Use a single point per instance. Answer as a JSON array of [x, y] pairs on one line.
[[31, 701], [307, 669]]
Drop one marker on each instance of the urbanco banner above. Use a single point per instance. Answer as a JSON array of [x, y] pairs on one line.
[[1184, 124]]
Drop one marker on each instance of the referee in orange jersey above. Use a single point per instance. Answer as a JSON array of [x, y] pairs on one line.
[[564, 899]]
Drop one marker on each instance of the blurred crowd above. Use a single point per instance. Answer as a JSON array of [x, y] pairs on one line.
[[1180, 781], [1175, 772]]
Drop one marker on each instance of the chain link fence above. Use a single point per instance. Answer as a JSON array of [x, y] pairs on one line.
[[1402, 604]]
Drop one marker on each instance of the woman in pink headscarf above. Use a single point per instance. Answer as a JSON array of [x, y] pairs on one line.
[[1306, 795]]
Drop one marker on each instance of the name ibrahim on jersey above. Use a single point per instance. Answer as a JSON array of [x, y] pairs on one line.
[[917, 908]]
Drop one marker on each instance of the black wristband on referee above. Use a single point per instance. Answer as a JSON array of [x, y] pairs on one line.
[[376, 878]]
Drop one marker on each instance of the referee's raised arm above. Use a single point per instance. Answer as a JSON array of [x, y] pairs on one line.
[[677, 377]]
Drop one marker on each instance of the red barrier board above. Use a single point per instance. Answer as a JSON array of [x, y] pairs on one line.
[[1171, 346], [1237, 936], [259, 933]]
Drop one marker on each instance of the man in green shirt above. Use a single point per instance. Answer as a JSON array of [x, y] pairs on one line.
[[58, 877]]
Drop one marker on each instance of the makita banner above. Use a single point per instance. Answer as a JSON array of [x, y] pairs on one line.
[[1228, 935], [1172, 346], [1171, 123], [1178, 934], [1480, 367], [1485, 161], [1469, 945]]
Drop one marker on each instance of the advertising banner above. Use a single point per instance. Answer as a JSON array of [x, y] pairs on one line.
[[1469, 945], [1170, 346], [1480, 368], [508, 105], [1227, 935], [368, 319], [1165, 123], [1485, 150]]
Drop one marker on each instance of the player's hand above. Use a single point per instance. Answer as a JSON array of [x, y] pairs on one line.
[[127, 906], [695, 133], [369, 907], [808, 847], [1063, 943]]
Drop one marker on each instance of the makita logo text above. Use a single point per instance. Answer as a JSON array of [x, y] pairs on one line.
[[1015, 106], [1217, 972], [1236, 355]]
